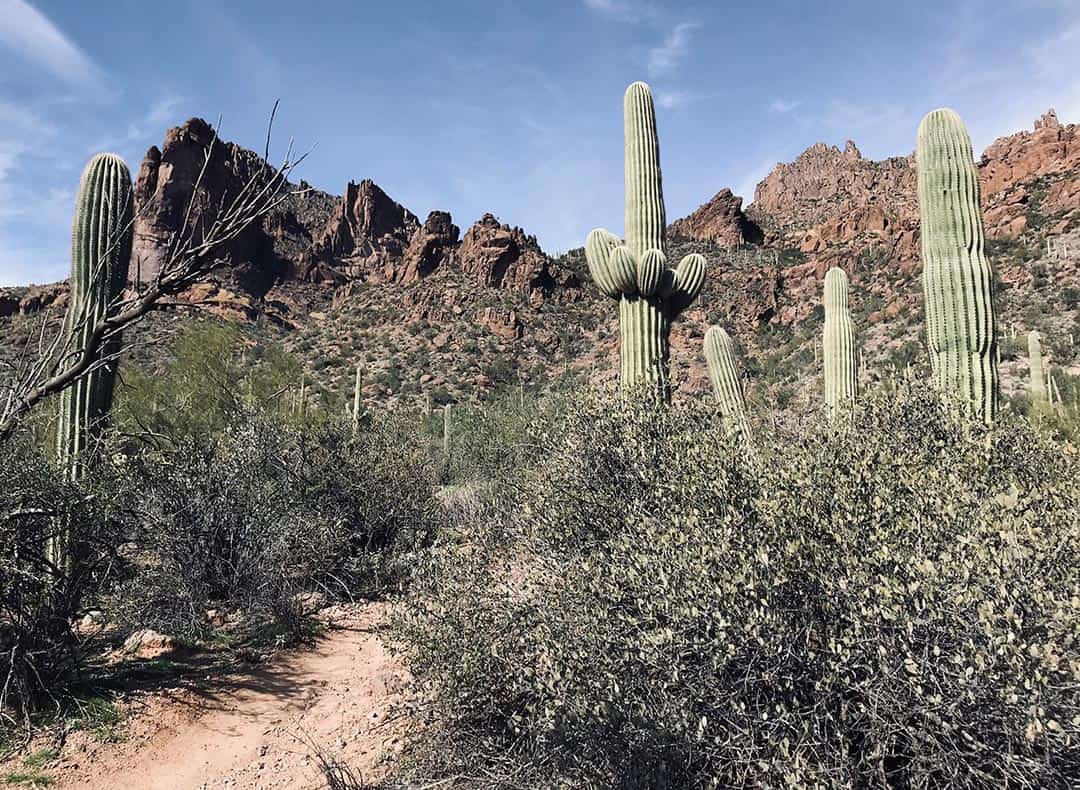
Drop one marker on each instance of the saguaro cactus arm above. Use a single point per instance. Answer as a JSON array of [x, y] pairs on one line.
[[960, 320]]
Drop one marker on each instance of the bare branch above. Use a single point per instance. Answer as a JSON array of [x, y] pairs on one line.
[[190, 257]]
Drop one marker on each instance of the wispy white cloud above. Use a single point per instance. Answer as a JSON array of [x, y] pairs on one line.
[[151, 125], [1057, 62], [665, 57], [23, 135], [1040, 72], [673, 100], [784, 106], [163, 110], [852, 117], [623, 10], [30, 35]]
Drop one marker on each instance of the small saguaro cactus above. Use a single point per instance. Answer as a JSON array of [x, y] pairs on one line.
[[960, 319], [724, 374], [101, 239], [358, 387], [446, 431], [841, 363], [1037, 385], [1054, 392], [650, 294]]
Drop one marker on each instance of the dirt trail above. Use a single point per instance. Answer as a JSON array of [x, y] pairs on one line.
[[254, 731]]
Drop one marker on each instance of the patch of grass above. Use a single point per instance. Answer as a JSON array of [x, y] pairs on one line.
[[97, 715], [28, 779], [41, 757]]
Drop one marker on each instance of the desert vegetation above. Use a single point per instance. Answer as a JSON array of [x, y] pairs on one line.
[[592, 587]]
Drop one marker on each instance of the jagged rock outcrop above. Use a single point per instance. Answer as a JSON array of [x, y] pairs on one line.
[[166, 185], [1013, 169], [366, 220], [364, 236], [838, 208], [824, 184], [30, 299], [434, 243], [721, 221], [828, 197], [502, 323], [499, 256], [1049, 149]]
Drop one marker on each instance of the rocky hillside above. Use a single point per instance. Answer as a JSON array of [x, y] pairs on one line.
[[339, 279]]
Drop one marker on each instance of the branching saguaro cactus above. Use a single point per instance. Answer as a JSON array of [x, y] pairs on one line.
[[100, 254], [724, 374], [650, 295], [960, 321], [841, 363], [1037, 385]]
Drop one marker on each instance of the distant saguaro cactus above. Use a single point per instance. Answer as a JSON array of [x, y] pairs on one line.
[[101, 241], [841, 364], [724, 374], [446, 431], [1054, 392], [960, 320], [358, 387], [1037, 385], [650, 295]]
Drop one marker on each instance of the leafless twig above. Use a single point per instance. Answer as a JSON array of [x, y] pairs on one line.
[[189, 257]]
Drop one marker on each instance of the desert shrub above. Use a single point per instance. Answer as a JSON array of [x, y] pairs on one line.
[[489, 437], [890, 603], [39, 600], [211, 379], [1010, 348], [1062, 419], [268, 510]]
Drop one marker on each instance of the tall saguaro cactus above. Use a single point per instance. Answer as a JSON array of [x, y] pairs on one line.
[[1037, 385], [841, 364], [724, 374], [650, 294], [100, 254], [960, 321]]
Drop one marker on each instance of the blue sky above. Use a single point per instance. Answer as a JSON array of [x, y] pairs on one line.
[[507, 106]]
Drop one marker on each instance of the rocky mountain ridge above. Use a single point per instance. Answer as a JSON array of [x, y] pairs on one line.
[[363, 236], [457, 312]]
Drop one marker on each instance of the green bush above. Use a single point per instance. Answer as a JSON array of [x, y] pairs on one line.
[[269, 510], [490, 437], [212, 379], [895, 604]]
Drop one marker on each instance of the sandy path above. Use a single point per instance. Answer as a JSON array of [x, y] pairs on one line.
[[255, 730]]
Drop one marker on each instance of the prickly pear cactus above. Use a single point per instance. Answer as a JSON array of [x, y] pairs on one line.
[[1037, 385], [100, 254], [841, 365], [650, 294], [960, 320], [724, 374]]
